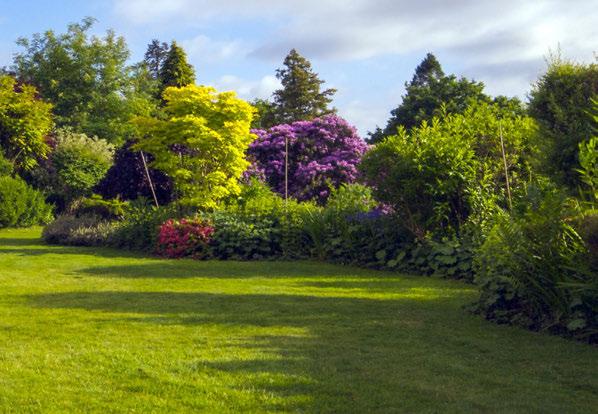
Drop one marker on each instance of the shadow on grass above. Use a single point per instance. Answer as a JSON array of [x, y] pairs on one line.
[[181, 268], [252, 309], [350, 348], [13, 241], [335, 354], [37, 247], [187, 268], [382, 285]]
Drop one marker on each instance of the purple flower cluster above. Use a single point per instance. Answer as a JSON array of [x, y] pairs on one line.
[[323, 152], [383, 210]]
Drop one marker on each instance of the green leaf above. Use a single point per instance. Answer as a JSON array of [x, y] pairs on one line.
[[381, 254], [400, 256], [576, 324], [447, 260], [446, 249]]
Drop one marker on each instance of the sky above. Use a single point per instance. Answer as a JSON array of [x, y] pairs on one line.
[[366, 49]]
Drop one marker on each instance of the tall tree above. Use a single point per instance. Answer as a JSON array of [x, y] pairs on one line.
[[428, 71], [300, 97], [154, 57], [561, 103], [175, 70], [428, 91], [85, 77]]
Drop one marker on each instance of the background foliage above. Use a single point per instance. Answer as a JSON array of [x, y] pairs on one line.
[[24, 123]]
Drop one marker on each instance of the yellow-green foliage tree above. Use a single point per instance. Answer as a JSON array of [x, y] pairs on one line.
[[24, 123], [200, 143]]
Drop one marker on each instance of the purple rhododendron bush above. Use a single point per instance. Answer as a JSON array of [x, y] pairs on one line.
[[323, 152]]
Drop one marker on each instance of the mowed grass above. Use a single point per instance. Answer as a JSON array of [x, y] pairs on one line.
[[98, 330]]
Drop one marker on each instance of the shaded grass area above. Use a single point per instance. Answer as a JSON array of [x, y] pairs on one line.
[[98, 330]]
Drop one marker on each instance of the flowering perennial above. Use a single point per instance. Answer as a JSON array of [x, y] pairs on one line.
[[186, 237]]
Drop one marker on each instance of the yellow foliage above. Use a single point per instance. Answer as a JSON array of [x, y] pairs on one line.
[[201, 142]]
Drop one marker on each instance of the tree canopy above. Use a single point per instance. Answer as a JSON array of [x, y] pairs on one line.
[[175, 70], [25, 121], [429, 90], [154, 57], [561, 101], [201, 142], [85, 77], [300, 97]]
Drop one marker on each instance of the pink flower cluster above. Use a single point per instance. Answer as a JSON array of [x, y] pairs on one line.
[[323, 152], [186, 237]]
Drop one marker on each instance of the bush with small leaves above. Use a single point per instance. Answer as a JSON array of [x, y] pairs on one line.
[[21, 205]]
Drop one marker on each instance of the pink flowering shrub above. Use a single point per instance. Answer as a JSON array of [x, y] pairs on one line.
[[186, 237], [323, 153]]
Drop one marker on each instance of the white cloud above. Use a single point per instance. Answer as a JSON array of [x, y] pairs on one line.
[[147, 11], [502, 43], [360, 29], [364, 116], [205, 48], [249, 89]]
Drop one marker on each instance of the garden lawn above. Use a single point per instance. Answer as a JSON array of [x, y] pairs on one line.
[[98, 330]]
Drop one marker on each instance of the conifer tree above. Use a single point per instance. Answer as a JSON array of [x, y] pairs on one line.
[[427, 92], [300, 97], [175, 70], [155, 56]]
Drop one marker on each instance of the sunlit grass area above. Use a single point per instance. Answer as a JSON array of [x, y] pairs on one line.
[[93, 330]]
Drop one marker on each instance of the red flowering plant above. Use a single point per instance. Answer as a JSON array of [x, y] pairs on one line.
[[185, 237]]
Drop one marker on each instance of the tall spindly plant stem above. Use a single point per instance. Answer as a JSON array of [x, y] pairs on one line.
[[504, 158]]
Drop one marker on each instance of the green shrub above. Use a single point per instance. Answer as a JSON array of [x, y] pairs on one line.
[[588, 171], [332, 228], [77, 164], [99, 234], [244, 236], [532, 270], [138, 230], [97, 206], [6, 167], [21, 205], [442, 175], [78, 231], [561, 103], [259, 207], [587, 228], [451, 258]]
